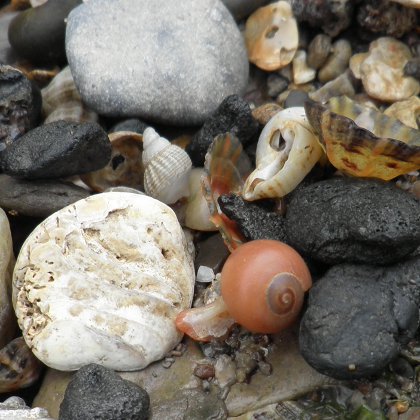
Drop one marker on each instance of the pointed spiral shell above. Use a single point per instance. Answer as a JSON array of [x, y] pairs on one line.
[[167, 168]]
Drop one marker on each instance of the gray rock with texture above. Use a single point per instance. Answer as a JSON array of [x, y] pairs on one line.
[[162, 60], [359, 316], [353, 220]]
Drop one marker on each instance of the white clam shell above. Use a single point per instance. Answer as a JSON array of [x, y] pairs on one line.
[[286, 151], [101, 281], [167, 168]]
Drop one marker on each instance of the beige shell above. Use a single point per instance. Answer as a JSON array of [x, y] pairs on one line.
[[286, 151], [62, 101], [166, 168], [271, 36], [125, 167], [102, 280]]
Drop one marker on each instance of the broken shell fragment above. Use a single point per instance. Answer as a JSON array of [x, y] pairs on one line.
[[101, 281], [363, 142], [125, 167], [166, 168], [62, 101], [286, 151], [302, 73], [271, 36], [408, 111]]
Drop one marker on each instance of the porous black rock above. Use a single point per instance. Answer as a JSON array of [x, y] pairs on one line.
[[330, 15], [233, 115], [384, 17], [20, 105], [353, 220], [38, 33], [98, 393], [255, 220], [37, 198], [359, 316], [58, 149]]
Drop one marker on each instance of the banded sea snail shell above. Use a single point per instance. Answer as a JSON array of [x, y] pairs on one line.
[[263, 283]]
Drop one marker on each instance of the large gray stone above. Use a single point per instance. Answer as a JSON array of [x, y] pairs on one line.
[[162, 60]]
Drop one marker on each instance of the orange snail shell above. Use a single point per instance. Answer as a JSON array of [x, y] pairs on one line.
[[263, 285]]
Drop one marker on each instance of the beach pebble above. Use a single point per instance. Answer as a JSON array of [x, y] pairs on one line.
[[131, 124], [20, 105], [7, 53], [233, 115], [382, 71], [412, 68], [99, 393], [408, 111], [15, 408], [330, 15], [58, 149], [385, 18], [337, 62], [341, 85], [107, 276], [191, 50], [358, 316], [318, 51], [384, 226], [255, 220], [302, 73], [37, 34], [212, 253], [37, 198]]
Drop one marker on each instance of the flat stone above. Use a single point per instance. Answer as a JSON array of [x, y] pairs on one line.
[[212, 253], [37, 198], [358, 317], [97, 392], [318, 224], [199, 56], [38, 33], [58, 149]]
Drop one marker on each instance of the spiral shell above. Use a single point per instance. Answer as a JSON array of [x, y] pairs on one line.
[[102, 280], [167, 168], [62, 101], [286, 151]]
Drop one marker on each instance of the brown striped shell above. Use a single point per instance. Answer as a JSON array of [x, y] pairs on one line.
[[363, 142]]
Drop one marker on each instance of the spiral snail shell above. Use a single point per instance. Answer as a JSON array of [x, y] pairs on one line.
[[263, 283], [166, 168]]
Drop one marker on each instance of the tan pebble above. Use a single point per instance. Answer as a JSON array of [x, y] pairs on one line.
[[382, 71], [356, 61], [264, 112], [302, 73], [271, 36], [408, 111], [337, 62], [341, 85], [318, 51]]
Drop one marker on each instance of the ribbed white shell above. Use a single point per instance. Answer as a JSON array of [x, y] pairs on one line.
[[101, 281], [167, 168]]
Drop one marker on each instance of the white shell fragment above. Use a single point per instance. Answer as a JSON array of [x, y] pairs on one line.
[[286, 151], [101, 281], [167, 168], [14, 408]]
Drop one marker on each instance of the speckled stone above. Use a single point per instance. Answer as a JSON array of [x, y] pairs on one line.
[[99, 393], [358, 316], [181, 58], [350, 219]]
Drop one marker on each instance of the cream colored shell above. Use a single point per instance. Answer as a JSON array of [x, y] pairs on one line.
[[286, 151], [101, 281], [166, 168]]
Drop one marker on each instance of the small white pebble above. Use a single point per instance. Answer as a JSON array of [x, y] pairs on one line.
[[205, 274]]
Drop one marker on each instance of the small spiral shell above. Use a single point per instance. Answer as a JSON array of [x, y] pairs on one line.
[[167, 168], [263, 285]]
